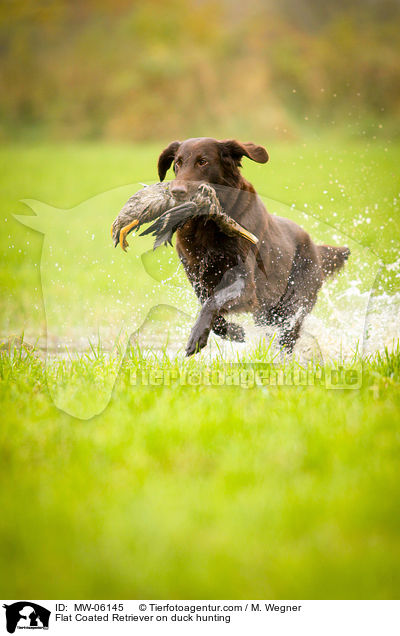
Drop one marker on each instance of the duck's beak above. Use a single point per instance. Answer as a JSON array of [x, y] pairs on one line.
[[248, 235]]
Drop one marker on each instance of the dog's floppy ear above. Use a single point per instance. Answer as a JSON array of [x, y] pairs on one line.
[[237, 150], [166, 158]]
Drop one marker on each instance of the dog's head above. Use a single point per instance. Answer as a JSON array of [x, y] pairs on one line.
[[206, 160]]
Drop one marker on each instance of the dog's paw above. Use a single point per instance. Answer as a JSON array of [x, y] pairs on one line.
[[198, 340]]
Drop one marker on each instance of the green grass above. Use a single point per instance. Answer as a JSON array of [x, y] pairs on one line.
[[203, 492], [194, 491]]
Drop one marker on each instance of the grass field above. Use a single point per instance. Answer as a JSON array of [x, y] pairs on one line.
[[190, 491]]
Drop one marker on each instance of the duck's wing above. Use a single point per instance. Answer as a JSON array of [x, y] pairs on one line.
[[170, 221], [165, 226]]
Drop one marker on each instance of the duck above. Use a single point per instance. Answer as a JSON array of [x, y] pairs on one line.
[[155, 204]]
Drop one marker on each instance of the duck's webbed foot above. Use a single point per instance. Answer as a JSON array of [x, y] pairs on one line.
[[124, 233]]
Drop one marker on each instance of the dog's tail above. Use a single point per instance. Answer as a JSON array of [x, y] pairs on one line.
[[332, 258]]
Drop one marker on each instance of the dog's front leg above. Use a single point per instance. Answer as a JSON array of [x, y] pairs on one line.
[[228, 293]]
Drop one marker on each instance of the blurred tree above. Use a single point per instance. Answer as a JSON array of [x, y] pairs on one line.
[[127, 69]]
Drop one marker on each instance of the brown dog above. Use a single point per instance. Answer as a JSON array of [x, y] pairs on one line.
[[277, 280]]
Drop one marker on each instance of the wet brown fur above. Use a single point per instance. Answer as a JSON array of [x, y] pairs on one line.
[[276, 280]]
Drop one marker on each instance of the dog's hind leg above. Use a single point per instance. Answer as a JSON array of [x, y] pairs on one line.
[[305, 281], [290, 333], [300, 296]]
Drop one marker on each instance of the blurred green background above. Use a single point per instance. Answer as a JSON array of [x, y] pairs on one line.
[[128, 70]]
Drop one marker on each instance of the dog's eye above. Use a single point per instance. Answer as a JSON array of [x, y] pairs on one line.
[[202, 161], [177, 165]]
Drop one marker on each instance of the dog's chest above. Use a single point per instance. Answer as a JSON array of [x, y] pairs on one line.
[[201, 238], [205, 251]]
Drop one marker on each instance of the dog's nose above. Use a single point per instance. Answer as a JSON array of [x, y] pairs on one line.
[[179, 190]]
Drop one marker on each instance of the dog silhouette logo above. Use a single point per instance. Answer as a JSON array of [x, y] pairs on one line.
[[26, 615], [119, 307]]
